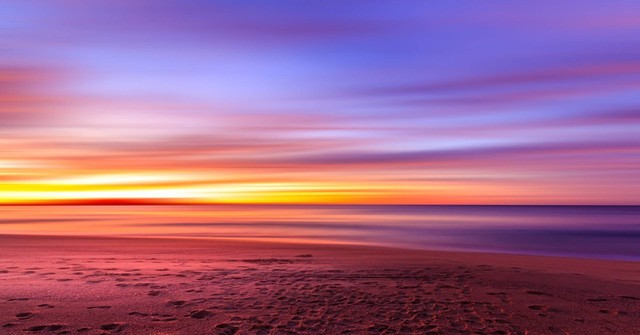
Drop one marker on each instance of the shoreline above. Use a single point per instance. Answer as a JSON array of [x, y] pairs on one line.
[[576, 264]]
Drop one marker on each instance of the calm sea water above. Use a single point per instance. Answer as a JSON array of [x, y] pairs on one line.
[[610, 232]]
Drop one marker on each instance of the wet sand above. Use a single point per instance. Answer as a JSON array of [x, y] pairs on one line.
[[84, 285]]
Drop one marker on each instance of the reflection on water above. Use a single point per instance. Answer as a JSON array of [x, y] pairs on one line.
[[584, 231]]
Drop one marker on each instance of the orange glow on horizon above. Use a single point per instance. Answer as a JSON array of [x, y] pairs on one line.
[[176, 189]]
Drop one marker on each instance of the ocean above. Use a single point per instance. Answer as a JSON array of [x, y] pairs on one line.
[[603, 232]]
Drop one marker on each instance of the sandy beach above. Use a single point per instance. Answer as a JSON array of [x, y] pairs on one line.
[[95, 285]]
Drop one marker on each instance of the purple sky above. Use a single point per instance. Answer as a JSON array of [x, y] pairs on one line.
[[326, 101]]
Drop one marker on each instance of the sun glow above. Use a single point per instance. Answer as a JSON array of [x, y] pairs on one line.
[[180, 188]]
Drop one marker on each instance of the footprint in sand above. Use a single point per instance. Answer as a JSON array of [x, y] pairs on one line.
[[25, 315], [48, 328], [99, 307], [597, 299], [138, 314], [176, 303], [226, 329], [200, 314], [18, 299], [627, 297], [544, 309], [113, 327]]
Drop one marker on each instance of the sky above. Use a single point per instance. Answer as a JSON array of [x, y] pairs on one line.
[[420, 102]]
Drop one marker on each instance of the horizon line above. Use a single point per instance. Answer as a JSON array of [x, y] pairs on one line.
[[172, 202]]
